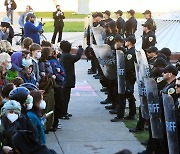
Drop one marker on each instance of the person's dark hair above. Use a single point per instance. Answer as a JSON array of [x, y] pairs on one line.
[[65, 46], [57, 6], [34, 47], [46, 44], [112, 26], [37, 97], [45, 52], [17, 81], [27, 42], [6, 90], [125, 151]]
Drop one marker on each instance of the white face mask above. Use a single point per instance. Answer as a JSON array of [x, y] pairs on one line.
[[29, 106], [42, 105], [29, 99], [29, 102], [12, 117], [9, 66], [38, 55]]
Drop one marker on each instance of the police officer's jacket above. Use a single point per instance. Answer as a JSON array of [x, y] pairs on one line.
[[130, 58], [148, 40], [152, 22], [130, 26], [170, 90], [120, 23], [110, 40]]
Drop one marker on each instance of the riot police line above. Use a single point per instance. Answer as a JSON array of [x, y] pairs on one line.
[[111, 49]]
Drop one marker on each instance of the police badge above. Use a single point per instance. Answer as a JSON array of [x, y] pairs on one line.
[[171, 91], [129, 56], [150, 39]]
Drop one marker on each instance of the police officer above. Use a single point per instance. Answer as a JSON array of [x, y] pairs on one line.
[[130, 58], [148, 38], [167, 53], [107, 17], [178, 110], [120, 23], [151, 55], [169, 79], [131, 24], [147, 16], [169, 75], [112, 33], [97, 21]]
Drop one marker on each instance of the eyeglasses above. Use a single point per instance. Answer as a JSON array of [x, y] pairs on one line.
[[178, 85]]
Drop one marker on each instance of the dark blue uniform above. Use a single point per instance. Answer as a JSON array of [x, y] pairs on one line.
[[130, 27], [148, 40], [130, 58], [120, 25]]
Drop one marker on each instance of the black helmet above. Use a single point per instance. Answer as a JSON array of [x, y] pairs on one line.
[[29, 86], [19, 94]]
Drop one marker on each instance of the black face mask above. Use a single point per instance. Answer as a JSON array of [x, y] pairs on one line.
[[58, 9]]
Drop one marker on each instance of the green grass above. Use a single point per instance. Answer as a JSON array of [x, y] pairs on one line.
[[141, 137], [68, 27], [73, 15], [68, 15]]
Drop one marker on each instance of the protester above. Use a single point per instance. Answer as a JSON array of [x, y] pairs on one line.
[[35, 54], [59, 71], [47, 83], [68, 62], [35, 114]]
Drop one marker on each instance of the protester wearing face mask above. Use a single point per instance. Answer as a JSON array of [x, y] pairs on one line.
[[30, 30], [35, 55], [35, 114], [27, 74], [11, 121], [22, 95]]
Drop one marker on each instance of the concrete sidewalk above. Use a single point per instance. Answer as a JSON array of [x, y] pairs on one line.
[[90, 131]]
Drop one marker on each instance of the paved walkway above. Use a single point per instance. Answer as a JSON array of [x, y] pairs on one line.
[[90, 131]]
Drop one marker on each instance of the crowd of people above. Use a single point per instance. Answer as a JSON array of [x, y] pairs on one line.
[[36, 82], [120, 35], [35, 87]]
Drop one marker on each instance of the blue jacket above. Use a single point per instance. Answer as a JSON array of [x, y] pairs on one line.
[[36, 121], [31, 79], [30, 30], [60, 76]]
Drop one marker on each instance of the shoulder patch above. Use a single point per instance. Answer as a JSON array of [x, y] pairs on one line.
[[171, 91], [159, 79], [129, 56], [111, 38], [150, 39]]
